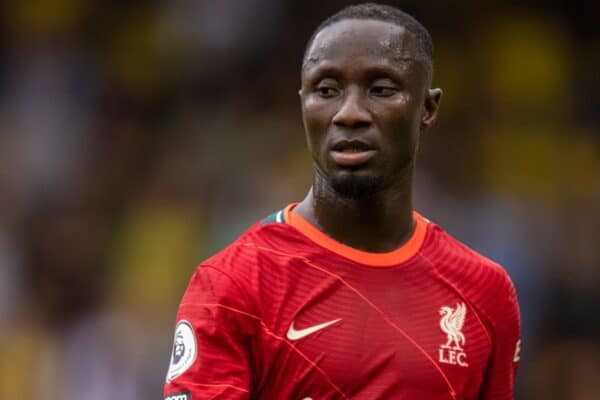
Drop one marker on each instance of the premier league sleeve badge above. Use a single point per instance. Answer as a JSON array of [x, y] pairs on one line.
[[184, 350]]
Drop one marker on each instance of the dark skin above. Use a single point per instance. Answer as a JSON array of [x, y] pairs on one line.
[[366, 98]]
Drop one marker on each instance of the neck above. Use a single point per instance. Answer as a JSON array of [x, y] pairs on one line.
[[376, 223]]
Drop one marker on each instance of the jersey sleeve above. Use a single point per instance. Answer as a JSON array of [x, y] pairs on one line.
[[502, 367], [211, 346]]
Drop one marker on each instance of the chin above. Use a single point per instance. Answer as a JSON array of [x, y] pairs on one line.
[[355, 186]]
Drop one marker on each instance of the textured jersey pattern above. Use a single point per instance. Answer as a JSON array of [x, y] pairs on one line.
[[279, 316]]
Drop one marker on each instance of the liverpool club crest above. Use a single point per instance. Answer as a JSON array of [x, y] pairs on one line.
[[451, 323]]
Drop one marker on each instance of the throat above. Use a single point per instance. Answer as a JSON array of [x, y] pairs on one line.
[[377, 224]]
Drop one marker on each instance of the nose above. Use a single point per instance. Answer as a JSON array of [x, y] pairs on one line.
[[352, 112]]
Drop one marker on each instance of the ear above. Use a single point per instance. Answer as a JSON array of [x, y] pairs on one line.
[[430, 107]]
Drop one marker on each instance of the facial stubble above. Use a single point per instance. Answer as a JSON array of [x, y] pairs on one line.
[[355, 187]]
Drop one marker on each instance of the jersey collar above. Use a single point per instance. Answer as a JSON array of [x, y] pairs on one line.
[[395, 257]]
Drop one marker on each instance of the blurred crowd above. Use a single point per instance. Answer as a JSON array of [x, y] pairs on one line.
[[139, 137]]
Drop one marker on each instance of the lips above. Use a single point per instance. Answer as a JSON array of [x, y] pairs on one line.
[[351, 145], [351, 153]]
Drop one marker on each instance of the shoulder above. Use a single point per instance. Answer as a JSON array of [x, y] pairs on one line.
[[485, 283], [239, 267], [459, 261], [253, 246]]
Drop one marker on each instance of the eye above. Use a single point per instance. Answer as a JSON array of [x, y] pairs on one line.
[[383, 91], [327, 91]]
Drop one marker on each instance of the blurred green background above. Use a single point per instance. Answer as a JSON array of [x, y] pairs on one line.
[[138, 137]]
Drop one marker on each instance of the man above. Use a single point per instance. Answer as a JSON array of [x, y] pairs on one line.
[[351, 294]]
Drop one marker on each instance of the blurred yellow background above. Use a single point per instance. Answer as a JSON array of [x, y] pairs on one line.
[[138, 137]]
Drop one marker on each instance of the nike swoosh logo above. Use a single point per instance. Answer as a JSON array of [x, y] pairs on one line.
[[293, 334]]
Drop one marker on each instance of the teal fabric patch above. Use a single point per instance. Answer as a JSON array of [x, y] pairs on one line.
[[276, 217]]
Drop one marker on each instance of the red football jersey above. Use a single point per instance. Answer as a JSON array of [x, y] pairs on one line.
[[286, 312]]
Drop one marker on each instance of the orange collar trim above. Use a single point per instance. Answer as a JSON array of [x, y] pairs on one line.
[[395, 257]]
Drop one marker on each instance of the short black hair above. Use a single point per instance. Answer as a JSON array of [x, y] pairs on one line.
[[385, 13]]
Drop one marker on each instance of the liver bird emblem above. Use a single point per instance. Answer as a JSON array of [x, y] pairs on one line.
[[451, 323]]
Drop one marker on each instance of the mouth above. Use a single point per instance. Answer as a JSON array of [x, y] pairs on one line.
[[351, 153]]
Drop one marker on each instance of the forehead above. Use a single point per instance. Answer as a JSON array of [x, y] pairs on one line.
[[354, 39]]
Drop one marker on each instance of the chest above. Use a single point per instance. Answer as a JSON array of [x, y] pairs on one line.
[[404, 335]]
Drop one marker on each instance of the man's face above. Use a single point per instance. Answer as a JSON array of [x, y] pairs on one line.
[[364, 90]]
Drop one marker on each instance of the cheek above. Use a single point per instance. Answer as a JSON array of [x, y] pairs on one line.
[[403, 99], [316, 120], [314, 111], [405, 104], [402, 124], [397, 116]]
